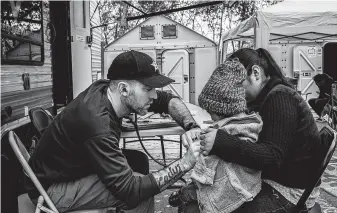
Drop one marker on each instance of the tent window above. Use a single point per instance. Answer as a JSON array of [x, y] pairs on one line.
[[147, 32], [22, 33], [169, 31]]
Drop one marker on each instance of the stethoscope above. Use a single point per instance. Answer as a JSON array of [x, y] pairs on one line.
[[134, 123]]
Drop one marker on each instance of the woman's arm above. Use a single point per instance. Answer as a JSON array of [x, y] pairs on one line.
[[279, 114]]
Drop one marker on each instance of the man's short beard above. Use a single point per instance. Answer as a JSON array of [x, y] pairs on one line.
[[131, 104]]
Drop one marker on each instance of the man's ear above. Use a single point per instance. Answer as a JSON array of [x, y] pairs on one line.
[[256, 72], [124, 88]]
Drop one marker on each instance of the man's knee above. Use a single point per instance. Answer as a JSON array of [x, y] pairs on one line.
[[146, 206]]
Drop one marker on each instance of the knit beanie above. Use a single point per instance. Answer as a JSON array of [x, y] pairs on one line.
[[224, 94]]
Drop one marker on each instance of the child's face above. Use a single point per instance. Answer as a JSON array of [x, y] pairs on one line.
[[215, 117]]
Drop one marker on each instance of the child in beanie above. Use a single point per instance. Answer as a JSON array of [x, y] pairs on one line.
[[221, 186]]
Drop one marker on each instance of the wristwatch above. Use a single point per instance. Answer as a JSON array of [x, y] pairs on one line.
[[190, 126]]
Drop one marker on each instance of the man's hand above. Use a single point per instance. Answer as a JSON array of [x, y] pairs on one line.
[[190, 136], [207, 138], [192, 154], [177, 169]]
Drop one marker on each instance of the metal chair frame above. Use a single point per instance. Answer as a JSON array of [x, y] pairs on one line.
[[23, 156], [325, 157]]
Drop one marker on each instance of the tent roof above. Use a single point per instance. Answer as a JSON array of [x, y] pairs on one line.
[[302, 6], [155, 17], [290, 17]]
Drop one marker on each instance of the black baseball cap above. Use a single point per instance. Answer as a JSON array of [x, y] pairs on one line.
[[134, 65]]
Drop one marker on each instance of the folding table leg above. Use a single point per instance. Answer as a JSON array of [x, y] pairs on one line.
[[163, 149]]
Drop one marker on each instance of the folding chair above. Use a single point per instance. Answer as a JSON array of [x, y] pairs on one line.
[[328, 139], [27, 206], [41, 119]]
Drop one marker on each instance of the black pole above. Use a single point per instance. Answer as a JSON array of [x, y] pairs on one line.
[[102, 25], [94, 10], [134, 7], [174, 10]]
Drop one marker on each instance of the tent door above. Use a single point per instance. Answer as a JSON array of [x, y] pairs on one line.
[[175, 65], [80, 50], [307, 61]]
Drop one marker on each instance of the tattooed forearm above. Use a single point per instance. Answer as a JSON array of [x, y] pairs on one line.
[[180, 113], [169, 175]]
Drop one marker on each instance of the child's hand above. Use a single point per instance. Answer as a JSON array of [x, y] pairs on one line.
[[207, 138]]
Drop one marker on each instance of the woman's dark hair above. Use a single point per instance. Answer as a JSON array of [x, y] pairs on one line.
[[261, 57]]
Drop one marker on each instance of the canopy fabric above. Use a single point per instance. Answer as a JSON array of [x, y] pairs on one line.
[[290, 17]]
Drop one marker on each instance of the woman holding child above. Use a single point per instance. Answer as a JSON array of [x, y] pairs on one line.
[[285, 150]]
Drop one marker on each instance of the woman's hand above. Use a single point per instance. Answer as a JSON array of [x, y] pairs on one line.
[[207, 138]]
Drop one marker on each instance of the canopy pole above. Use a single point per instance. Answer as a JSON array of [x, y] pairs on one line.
[[178, 9]]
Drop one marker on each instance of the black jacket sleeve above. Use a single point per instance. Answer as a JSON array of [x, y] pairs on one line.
[[113, 170]]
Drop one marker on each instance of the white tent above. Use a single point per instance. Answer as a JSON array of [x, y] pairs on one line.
[[181, 54], [289, 20]]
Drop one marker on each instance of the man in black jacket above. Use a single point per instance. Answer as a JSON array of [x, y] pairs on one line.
[[78, 159], [323, 82]]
